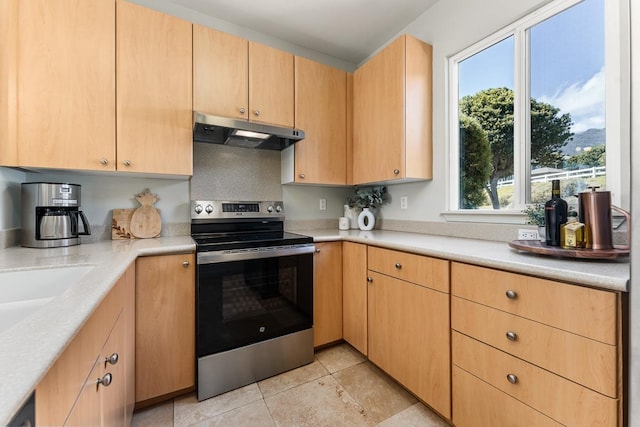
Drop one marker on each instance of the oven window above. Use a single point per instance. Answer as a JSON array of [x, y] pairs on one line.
[[244, 302]]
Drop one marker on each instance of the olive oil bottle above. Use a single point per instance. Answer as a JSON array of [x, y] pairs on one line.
[[572, 232], [555, 214]]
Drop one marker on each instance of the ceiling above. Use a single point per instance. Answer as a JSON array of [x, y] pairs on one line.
[[349, 30]]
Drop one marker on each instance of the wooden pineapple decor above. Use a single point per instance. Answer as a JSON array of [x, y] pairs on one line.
[[146, 221]]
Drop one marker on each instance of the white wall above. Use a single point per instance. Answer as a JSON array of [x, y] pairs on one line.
[[102, 193]]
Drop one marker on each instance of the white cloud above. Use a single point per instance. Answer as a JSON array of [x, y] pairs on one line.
[[583, 100]]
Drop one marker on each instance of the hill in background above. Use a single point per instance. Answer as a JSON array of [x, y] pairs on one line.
[[588, 138]]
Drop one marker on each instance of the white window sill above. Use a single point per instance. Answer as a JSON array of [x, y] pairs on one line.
[[488, 216]]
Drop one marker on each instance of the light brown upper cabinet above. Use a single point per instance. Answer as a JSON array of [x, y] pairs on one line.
[[392, 114], [59, 107], [65, 84], [154, 87], [8, 75], [321, 112], [234, 77]]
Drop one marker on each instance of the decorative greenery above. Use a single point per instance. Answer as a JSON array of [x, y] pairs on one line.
[[369, 197], [535, 214]]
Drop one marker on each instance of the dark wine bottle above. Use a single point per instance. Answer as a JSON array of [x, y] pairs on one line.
[[555, 214]]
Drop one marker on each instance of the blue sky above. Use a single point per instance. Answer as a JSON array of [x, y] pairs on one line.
[[567, 64]]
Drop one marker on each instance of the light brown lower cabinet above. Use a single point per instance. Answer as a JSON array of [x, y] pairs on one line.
[[87, 384], [533, 352], [165, 325], [327, 293], [476, 403], [409, 337], [354, 295]]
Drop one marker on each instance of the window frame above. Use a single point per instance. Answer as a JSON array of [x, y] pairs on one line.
[[617, 77]]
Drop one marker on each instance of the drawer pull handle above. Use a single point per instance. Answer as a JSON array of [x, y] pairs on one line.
[[185, 264], [511, 294], [512, 378], [511, 336], [113, 359], [398, 265], [104, 381], [369, 279]]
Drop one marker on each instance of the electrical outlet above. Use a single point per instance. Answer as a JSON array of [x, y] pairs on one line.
[[323, 204], [526, 234], [403, 202]]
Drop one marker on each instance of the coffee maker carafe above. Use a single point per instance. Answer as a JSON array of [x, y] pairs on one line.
[[51, 215]]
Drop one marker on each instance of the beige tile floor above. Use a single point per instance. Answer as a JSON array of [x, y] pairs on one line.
[[340, 388]]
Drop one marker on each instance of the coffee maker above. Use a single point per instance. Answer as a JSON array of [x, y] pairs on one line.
[[51, 215]]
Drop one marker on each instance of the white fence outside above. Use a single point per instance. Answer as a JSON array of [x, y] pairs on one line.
[[579, 173]]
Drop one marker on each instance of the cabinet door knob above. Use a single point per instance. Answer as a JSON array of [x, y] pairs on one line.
[[369, 279], [511, 336], [511, 294], [256, 112], [396, 171], [185, 264], [105, 381], [301, 176], [243, 110], [112, 360], [512, 378], [127, 162], [104, 162], [398, 265], [317, 250]]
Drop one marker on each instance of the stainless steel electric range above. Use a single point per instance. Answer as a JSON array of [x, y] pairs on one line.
[[254, 294]]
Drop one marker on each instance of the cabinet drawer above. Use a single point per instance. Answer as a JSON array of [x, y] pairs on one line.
[[422, 270], [561, 399], [584, 311], [476, 403], [585, 361]]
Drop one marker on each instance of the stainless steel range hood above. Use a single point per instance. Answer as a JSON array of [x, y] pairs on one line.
[[241, 133]]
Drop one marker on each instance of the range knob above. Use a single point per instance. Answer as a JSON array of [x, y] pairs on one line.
[[209, 209], [270, 209], [278, 208], [198, 209]]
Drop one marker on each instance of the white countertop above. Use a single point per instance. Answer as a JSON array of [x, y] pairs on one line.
[[604, 274], [29, 347]]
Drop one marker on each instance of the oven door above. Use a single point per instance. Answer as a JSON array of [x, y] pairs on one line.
[[251, 295]]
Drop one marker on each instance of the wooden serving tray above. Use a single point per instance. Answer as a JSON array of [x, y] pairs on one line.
[[538, 247]]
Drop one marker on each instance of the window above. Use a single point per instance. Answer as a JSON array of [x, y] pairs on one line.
[[528, 106]]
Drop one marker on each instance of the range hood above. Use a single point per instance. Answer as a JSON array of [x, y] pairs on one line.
[[241, 133]]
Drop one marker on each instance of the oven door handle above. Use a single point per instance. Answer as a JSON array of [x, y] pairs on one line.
[[216, 257]]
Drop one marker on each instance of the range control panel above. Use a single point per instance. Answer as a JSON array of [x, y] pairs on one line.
[[217, 209]]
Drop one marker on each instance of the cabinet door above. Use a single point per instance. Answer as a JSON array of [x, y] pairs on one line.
[[8, 81], [327, 293], [220, 73], [87, 409], [320, 110], [130, 341], [354, 295], [378, 116], [270, 85], [66, 90], [409, 337], [154, 92], [165, 325], [112, 362]]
